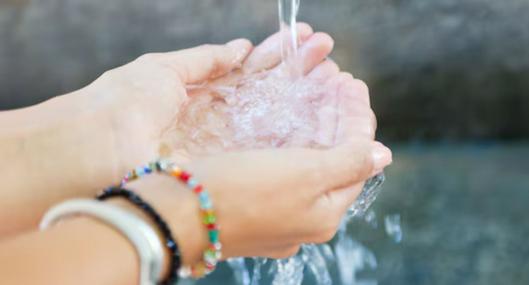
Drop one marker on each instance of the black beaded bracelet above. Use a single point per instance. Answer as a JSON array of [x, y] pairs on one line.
[[170, 242]]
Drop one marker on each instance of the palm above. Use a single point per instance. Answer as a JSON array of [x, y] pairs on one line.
[[259, 106]]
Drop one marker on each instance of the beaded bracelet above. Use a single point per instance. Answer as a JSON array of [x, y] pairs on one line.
[[169, 241], [212, 254]]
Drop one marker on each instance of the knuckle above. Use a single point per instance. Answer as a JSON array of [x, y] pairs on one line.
[[209, 50], [148, 57], [108, 74], [363, 90], [346, 76], [207, 46], [362, 86]]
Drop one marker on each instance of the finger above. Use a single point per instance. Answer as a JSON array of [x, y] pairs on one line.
[[316, 169], [328, 118], [358, 87], [382, 157], [205, 62], [356, 118], [361, 90], [352, 163], [343, 112], [268, 53], [314, 51], [324, 71], [342, 199]]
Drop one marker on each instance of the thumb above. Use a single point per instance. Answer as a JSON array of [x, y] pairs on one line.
[[207, 61], [353, 163]]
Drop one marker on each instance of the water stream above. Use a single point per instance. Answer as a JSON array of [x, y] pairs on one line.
[[287, 14]]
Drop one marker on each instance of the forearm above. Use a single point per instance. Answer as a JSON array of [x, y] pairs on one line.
[[79, 251], [82, 250], [50, 152]]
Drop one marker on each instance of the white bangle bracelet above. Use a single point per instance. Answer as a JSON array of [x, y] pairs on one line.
[[144, 238]]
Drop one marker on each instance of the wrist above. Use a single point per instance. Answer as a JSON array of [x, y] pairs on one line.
[[180, 209], [131, 208]]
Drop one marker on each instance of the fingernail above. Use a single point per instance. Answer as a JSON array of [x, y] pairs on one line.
[[382, 156]]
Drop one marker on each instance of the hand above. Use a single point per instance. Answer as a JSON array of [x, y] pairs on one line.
[[268, 202], [208, 123], [216, 117], [148, 93]]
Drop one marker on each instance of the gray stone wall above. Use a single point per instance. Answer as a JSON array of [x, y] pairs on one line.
[[446, 69]]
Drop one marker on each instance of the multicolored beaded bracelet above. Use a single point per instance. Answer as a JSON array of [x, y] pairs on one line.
[[212, 254]]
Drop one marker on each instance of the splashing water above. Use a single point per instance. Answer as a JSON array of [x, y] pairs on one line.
[[240, 270], [259, 263], [288, 271], [352, 257], [314, 258], [393, 228]]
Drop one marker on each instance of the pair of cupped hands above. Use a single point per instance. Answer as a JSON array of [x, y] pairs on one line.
[[268, 201]]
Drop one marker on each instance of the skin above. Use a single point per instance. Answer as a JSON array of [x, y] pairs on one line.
[[76, 144]]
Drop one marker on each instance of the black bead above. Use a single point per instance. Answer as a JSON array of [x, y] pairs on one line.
[[170, 242]]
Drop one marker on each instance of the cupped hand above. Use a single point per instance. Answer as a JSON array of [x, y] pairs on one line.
[[271, 201], [261, 105], [148, 94], [268, 202]]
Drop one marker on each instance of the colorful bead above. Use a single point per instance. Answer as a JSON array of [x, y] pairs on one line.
[[218, 246], [213, 236], [203, 197], [211, 227], [147, 169], [192, 183], [206, 205], [209, 219], [184, 176], [198, 189], [210, 257], [176, 172], [213, 253], [140, 171]]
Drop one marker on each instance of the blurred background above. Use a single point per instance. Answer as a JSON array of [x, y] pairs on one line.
[[449, 81]]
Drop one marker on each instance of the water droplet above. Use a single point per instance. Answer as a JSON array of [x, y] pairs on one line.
[[289, 271], [393, 228], [240, 270], [351, 258], [371, 219], [316, 264]]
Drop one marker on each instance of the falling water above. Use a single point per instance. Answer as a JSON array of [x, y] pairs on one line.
[[288, 11]]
